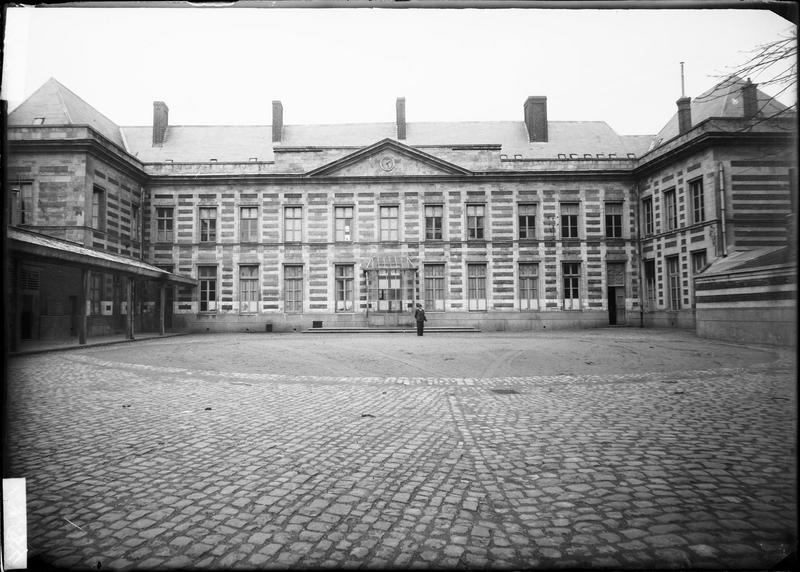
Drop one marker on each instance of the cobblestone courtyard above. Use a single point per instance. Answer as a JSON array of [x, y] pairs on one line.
[[618, 448]]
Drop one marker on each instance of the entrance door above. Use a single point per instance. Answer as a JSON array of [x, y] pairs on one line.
[[27, 316], [612, 306], [73, 315], [620, 304]]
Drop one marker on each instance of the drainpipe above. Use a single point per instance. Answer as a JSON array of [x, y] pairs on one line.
[[721, 183]]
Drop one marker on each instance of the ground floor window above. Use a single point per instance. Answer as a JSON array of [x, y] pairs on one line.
[[674, 281], [434, 287], [528, 286], [96, 293], [293, 288], [698, 260], [572, 290], [389, 294], [650, 282], [344, 287], [208, 288], [476, 286], [248, 288]]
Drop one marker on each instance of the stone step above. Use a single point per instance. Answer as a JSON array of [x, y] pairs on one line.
[[395, 330]]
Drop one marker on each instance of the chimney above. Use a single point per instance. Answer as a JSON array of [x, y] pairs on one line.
[[684, 114], [277, 121], [401, 117], [160, 122], [750, 99], [536, 117]]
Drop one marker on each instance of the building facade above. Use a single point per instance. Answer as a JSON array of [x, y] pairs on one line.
[[527, 225]]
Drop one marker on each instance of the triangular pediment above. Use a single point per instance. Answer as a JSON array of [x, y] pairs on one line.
[[388, 158]]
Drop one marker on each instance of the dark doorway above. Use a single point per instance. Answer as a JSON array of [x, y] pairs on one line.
[[73, 315], [168, 299], [27, 317], [612, 306]]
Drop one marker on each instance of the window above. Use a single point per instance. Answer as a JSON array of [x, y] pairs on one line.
[[23, 204], [38, 121], [248, 224], [572, 290], [614, 220], [647, 215], [136, 222], [208, 288], [650, 281], [434, 287], [389, 295], [98, 209], [698, 201], [343, 223], [344, 287], [293, 224], [248, 288], [293, 288], [164, 224], [528, 286], [96, 293], [389, 222], [698, 260], [475, 221], [527, 221], [476, 286], [433, 222], [569, 220], [674, 281], [208, 224], [670, 210]]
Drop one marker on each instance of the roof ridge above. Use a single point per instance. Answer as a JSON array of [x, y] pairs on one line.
[[79, 98]]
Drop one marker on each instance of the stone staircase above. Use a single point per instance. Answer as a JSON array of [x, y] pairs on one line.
[[393, 330]]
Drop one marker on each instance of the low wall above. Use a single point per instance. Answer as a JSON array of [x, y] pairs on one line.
[[485, 321], [681, 319], [773, 326]]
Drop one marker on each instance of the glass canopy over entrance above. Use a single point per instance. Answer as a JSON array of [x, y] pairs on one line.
[[391, 287]]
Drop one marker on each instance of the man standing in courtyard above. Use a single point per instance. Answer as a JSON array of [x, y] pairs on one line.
[[419, 315]]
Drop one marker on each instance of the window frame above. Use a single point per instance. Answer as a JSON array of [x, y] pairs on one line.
[[163, 234], [650, 282], [251, 227], [528, 226], [528, 282], [698, 201], [250, 297], [476, 223], [207, 290], [673, 281], [696, 255], [389, 226], [670, 200], [613, 221], [22, 204], [207, 232], [431, 227], [476, 285], [570, 231], [99, 208], [433, 284], [571, 283], [345, 234], [647, 215], [292, 232], [344, 283], [293, 304]]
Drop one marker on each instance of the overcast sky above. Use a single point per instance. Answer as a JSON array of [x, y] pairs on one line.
[[225, 66]]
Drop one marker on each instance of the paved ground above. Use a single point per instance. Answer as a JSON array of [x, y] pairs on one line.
[[611, 448]]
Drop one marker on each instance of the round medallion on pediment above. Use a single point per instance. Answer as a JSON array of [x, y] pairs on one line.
[[387, 163]]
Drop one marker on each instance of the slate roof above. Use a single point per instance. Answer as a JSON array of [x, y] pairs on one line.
[[722, 100], [200, 143], [749, 260], [60, 106]]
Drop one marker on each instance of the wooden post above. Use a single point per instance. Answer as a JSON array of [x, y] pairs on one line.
[[163, 297], [83, 302], [16, 303], [129, 314]]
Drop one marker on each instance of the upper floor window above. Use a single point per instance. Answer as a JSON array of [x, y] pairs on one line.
[[698, 201], [98, 209], [389, 223], [698, 260], [208, 224], [670, 210], [433, 222], [614, 220], [647, 214], [136, 222], [23, 204], [343, 224], [165, 223], [527, 221], [293, 224], [475, 221], [248, 224], [569, 220]]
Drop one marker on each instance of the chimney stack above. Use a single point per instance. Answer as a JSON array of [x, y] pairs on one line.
[[277, 121], [536, 118], [750, 100], [684, 115], [401, 117], [160, 122]]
